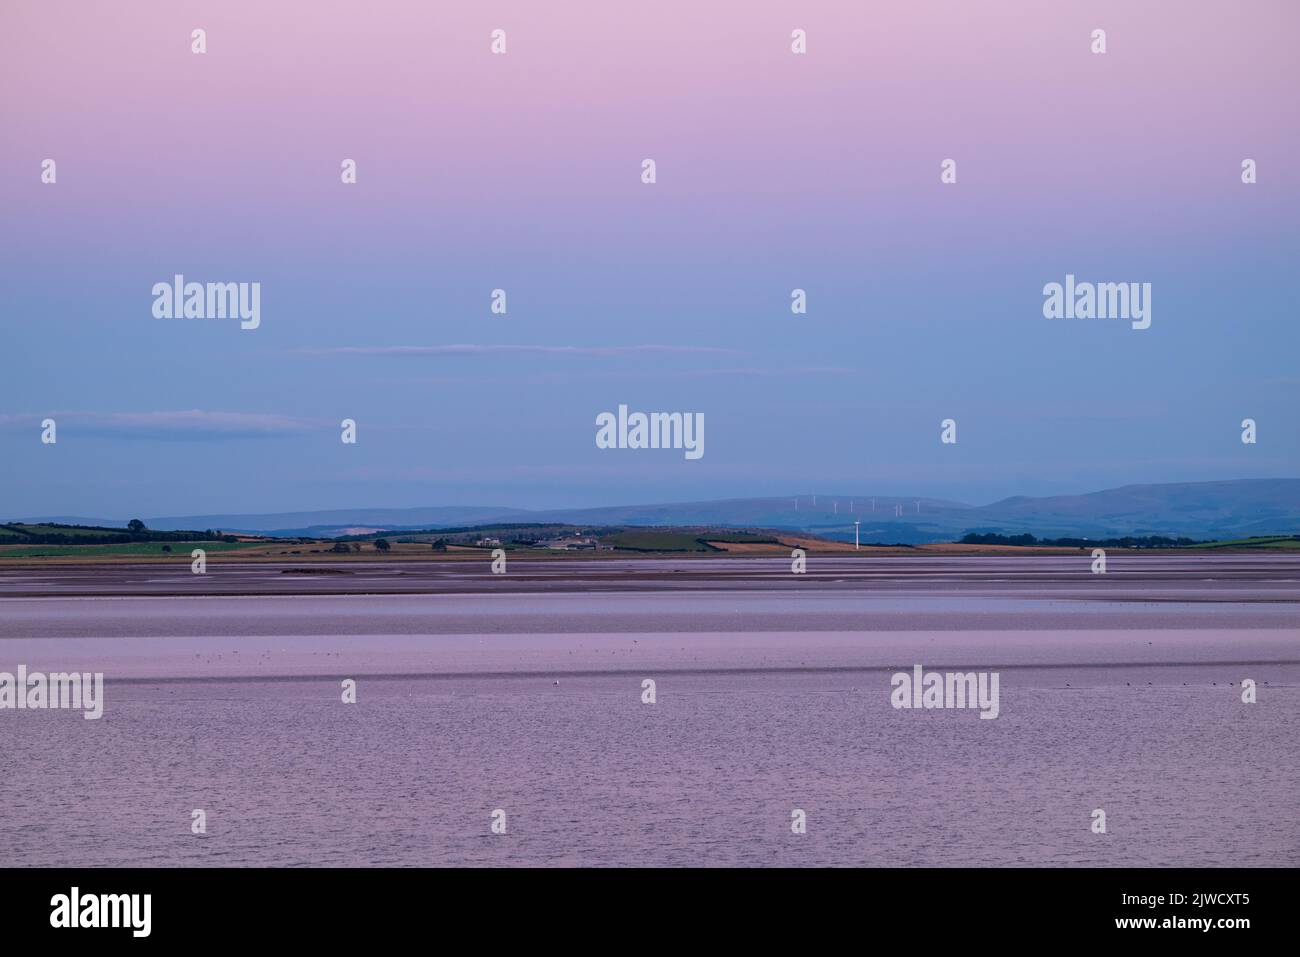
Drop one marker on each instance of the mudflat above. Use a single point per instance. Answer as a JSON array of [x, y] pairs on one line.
[[525, 692]]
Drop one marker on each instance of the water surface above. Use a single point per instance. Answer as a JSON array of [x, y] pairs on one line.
[[768, 699]]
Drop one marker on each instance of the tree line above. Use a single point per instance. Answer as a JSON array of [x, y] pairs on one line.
[[1148, 541]]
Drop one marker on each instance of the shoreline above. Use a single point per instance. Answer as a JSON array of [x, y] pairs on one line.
[[1183, 577]]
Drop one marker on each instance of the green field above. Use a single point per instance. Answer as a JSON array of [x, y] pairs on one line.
[[180, 550], [1285, 542], [690, 540], [740, 538], [657, 541], [18, 532]]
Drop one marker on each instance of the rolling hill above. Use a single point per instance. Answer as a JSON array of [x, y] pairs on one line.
[[1202, 510]]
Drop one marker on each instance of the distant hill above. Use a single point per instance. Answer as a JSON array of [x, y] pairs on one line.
[[341, 521], [1201, 510]]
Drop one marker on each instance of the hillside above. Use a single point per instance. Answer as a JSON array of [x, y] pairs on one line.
[[1201, 510]]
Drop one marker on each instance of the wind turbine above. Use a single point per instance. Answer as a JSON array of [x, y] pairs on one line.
[[855, 534]]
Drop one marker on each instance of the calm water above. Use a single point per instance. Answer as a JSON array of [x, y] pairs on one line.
[[766, 702]]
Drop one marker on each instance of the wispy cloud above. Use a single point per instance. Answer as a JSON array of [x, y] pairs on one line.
[[184, 424], [469, 349], [577, 470], [648, 375], [791, 372]]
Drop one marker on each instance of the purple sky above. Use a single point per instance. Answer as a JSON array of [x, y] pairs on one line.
[[522, 172]]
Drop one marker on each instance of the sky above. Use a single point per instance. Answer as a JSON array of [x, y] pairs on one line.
[[774, 171]]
